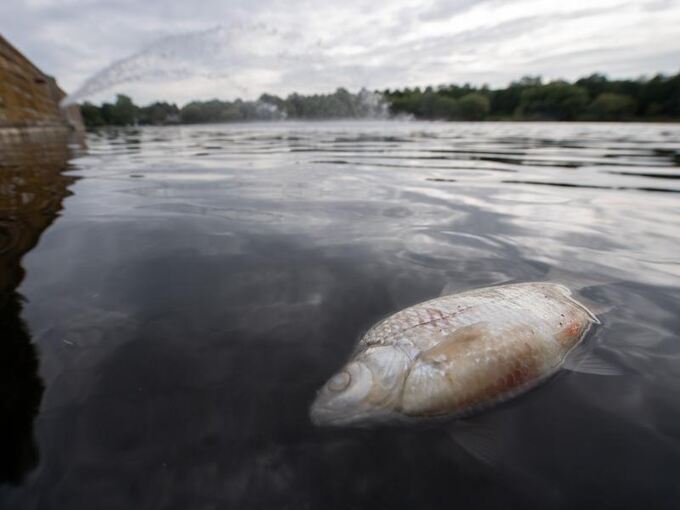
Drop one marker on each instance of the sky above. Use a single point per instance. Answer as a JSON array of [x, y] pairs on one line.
[[181, 50]]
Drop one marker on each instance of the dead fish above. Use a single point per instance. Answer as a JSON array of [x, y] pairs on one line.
[[455, 355]]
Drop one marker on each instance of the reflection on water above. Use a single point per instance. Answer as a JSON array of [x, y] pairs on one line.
[[32, 188], [203, 281], [20, 393]]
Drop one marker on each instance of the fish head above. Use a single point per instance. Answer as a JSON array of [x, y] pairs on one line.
[[365, 390]]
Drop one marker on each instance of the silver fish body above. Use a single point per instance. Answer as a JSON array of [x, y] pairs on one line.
[[455, 354]]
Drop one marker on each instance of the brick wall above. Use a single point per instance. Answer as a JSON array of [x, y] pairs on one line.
[[29, 97]]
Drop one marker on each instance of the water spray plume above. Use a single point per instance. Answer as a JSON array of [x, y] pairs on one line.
[[245, 60], [169, 58]]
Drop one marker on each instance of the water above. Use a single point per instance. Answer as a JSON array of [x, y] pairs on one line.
[[202, 282]]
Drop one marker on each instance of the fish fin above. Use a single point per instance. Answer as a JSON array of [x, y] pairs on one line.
[[449, 288], [587, 308], [479, 440], [594, 309], [589, 363], [487, 440], [453, 342], [577, 281]]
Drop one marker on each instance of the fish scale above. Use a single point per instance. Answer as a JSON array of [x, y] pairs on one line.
[[448, 313]]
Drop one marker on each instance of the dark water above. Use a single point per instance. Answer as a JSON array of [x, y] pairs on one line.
[[202, 282]]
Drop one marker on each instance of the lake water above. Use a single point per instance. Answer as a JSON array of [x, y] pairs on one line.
[[197, 284]]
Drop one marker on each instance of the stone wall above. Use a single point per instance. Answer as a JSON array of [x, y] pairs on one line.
[[28, 97]]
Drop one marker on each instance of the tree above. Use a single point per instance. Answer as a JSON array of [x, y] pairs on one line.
[[528, 81], [123, 112], [92, 115], [505, 102], [159, 113], [595, 84], [591, 98], [474, 106], [431, 106], [660, 96], [610, 106], [557, 100], [276, 101]]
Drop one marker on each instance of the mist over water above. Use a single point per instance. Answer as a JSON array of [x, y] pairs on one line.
[[202, 282]]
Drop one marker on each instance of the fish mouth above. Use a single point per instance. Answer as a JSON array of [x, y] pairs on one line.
[[321, 417], [324, 417]]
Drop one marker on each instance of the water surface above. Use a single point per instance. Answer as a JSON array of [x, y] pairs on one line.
[[202, 282]]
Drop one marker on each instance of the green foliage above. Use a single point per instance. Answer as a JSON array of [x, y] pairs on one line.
[[660, 96], [594, 97], [444, 104], [210, 111], [530, 99], [504, 103], [473, 106], [611, 106], [159, 113], [92, 115], [122, 113], [436, 106], [595, 84], [555, 101], [340, 104]]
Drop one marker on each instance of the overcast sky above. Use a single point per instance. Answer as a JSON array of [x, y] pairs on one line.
[[180, 50]]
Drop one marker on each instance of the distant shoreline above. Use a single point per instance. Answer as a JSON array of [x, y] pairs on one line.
[[386, 119], [591, 99]]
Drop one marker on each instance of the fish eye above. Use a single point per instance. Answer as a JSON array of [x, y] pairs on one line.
[[339, 381]]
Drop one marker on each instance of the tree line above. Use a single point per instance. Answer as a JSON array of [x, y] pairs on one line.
[[340, 104], [593, 98]]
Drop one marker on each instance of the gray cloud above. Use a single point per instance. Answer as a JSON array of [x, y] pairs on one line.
[[447, 8], [178, 50]]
